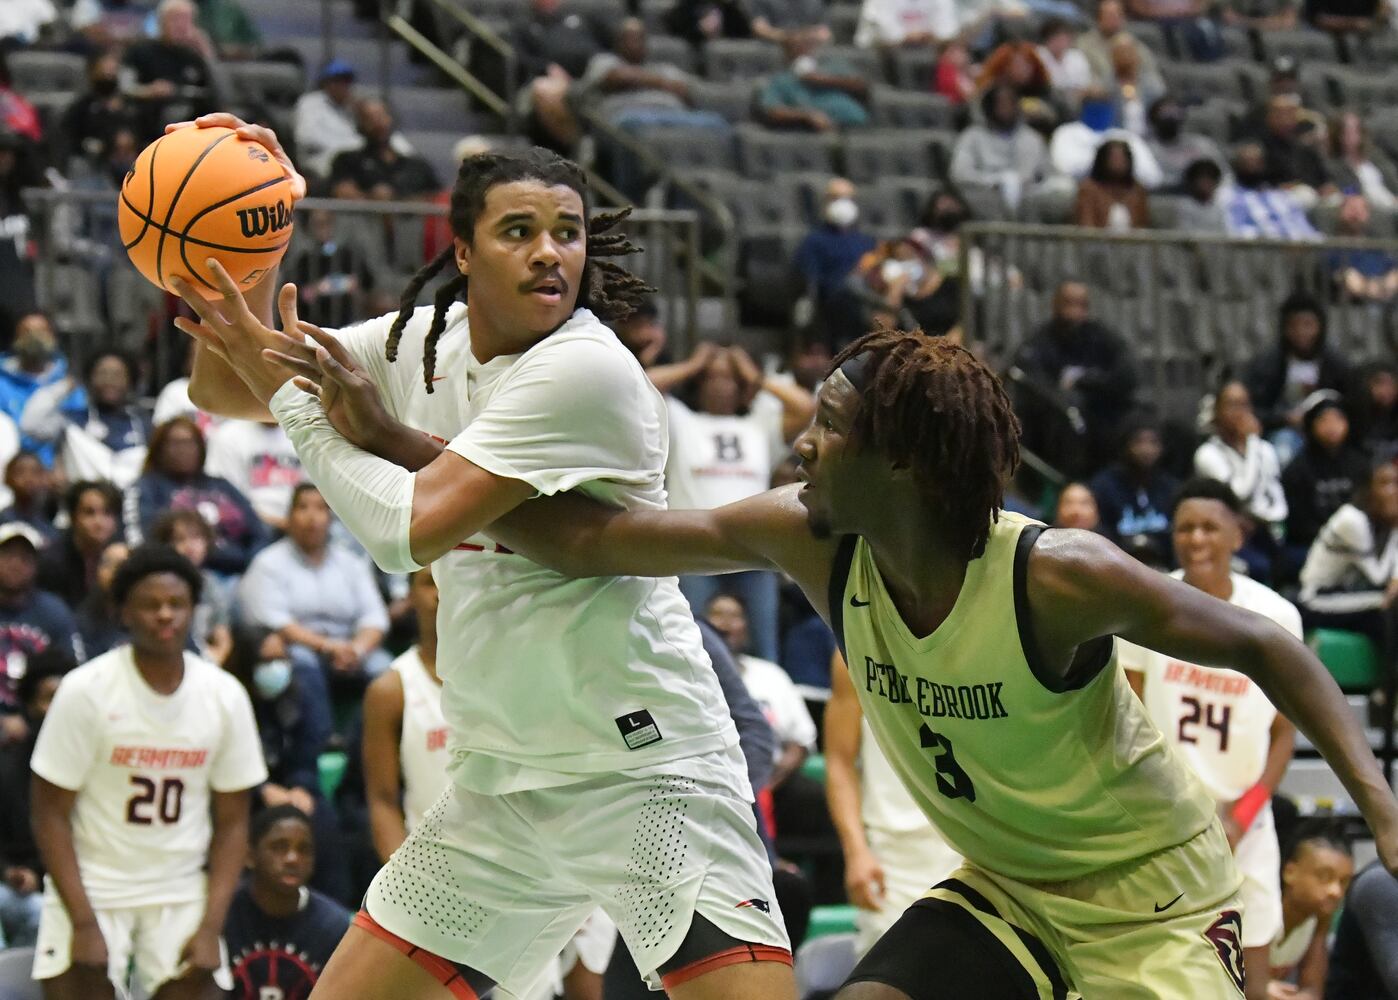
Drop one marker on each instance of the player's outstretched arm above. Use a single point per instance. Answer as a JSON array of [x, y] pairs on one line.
[[1082, 587], [383, 724]]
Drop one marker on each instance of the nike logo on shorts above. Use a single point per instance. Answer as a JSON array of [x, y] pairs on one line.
[[855, 602], [1162, 909]]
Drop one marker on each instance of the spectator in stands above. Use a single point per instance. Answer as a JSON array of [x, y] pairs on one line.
[[773, 20], [320, 597], [28, 483], [174, 479], [905, 286], [98, 618], [1291, 163], [1364, 959], [1350, 580], [294, 723], [32, 362], [280, 933], [23, 21], [1260, 15], [95, 116], [1280, 380], [1076, 507], [828, 254], [1096, 44], [1131, 94], [1175, 149], [815, 91], [1189, 22], [700, 21], [1004, 153], [1110, 197], [1376, 410], [1018, 64], [98, 429], [31, 620], [17, 114], [21, 892], [1362, 275], [68, 567], [1078, 382], [260, 462], [1069, 73], [191, 536], [171, 72], [1358, 17], [1134, 493], [644, 335], [1351, 165], [554, 44], [892, 24], [730, 426], [1316, 872], [1074, 145], [19, 169], [377, 169], [1237, 454], [953, 76], [1323, 476], [332, 272], [227, 25], [323, 119], [1202, 210], [1256, 207]]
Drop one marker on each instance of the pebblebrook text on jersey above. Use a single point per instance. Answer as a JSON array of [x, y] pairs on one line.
[[935, 701]]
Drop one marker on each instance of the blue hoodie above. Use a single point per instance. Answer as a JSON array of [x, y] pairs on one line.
[[17, 385]]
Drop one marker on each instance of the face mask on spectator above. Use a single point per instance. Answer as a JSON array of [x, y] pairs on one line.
[[842, 212], [892, 269], [271, 678]]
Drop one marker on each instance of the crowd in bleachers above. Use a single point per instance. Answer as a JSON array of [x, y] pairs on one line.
[[851, 142]]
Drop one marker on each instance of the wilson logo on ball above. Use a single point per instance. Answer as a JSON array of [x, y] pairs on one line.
[[262, 219]]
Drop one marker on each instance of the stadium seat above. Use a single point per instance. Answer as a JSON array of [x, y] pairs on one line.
[[1378, 50], [1213, 118], [331, 766], [653, 13], [912, 68], [740, 59], [35, 70], [440, 109], [872, 154], [1365, 90], [1151, 35], [1193, 83], [826, 920], [824, 963], [438, 148], [842, 22], [1305, 45], [16, 975], [268, 82], [1350, 657], [692, 148], [672, 51], [908, 196], [765, 153], [1051, 207], [866, 62], [894, 108], [735, 100]]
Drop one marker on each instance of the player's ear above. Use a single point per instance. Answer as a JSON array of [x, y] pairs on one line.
[[463, 255]]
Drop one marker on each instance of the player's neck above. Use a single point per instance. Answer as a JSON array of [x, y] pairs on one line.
[[163, 671], [275, 901], [1293, 915], [923, 575], [491, 339]]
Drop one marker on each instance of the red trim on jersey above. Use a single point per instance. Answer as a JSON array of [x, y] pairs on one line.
[[496, 548], [444, 971], [723, 959]]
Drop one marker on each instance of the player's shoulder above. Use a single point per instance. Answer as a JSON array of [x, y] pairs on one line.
[[1262, 599], [369, 338], [95, 677], [588, 343]]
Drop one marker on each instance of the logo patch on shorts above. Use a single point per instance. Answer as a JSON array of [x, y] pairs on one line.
[[756, 904], [638, 729], [1225, 935]]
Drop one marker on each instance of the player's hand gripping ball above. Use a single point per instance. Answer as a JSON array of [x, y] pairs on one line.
[[201, 192]]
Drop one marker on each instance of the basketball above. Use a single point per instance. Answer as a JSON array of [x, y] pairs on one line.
[[197, 193]]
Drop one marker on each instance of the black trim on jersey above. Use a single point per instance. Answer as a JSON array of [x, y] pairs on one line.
[[1033, 945], [1093, 656], [839, 579]]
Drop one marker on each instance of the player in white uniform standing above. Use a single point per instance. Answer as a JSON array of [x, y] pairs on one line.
[[593, 760], [1219, 720], [142, 774], [893, 854]]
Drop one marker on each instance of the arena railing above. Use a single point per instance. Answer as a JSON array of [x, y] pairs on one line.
[[351, 260]]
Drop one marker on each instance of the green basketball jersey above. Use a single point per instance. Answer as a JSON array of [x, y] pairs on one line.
[[1033, 777]]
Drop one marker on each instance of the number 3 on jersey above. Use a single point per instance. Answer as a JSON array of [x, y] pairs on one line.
[[952, 781], [153, 799]]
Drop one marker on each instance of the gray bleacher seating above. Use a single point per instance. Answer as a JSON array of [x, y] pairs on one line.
[[1318, 91], [1164, 210], [440, 109], [275, 18], [909, 196], [1237, 44], [1151, 35], [1214, 119], [912, 68], [735, 100], [438, 149], [986, 203], [1306, 45], [35, 70], [867, 63], [740, 58], [1051, 206], [653, 12], [672, 51], [692, 148], [364, 54], [16, 975], [1383, 126], [268, 82], [1366, 89], [764, 153], [842, 22], [1378, 50], [1196, 82], [895, 108], [874, 153]]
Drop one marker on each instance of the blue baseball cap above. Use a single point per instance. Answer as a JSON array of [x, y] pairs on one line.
[[336, 68]]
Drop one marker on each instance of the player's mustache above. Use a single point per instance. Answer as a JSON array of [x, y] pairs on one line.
[[552, 278]]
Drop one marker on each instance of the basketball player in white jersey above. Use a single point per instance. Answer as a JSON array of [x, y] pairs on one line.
[[565, 700], [981, 646], [1219, 721], [892, 853], [142, 774]]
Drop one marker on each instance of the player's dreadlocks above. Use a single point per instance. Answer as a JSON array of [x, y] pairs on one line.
[[607, 289], [933, 408]]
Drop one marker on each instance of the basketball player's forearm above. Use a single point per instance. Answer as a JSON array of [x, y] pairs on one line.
[[53, 834], [227, 852], [842, 799], [386, 827], [216, 388]]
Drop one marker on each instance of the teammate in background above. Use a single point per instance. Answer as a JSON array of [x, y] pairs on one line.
[[563, 698], [1315, 876], [142, 774], [981, 647], [1218, 720], [892, 853]]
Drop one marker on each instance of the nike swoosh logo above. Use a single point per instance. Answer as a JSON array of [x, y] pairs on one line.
[[1162, 909], [855, 602], [439, 378]]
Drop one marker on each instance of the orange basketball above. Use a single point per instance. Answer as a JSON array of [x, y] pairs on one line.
[[197, 193]]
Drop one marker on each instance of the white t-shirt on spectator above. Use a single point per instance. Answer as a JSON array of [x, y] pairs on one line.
[[889, 22], [718, 460], [144, 766], [1254, 475], [259, 460], [174, 401], [773, 689], [1345, 570]]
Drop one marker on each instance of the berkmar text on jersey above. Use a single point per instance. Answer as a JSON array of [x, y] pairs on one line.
[[934, 701]]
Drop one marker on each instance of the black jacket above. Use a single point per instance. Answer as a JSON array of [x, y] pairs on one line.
[[1108, 383], [1317, 482]]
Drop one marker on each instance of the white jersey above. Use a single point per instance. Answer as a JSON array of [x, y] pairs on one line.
[[1255, 475], [259, 460], [1287, 950], [1218, 719], [549, 680], [718, 460], [422, 746], [143, 766], [884, 801], [773, 689]]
